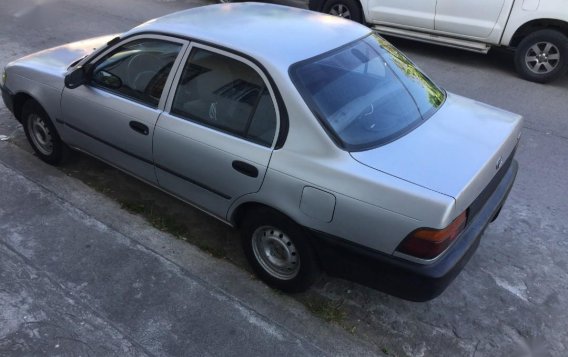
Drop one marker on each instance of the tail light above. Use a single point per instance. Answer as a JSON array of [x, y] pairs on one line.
[[428, 243]]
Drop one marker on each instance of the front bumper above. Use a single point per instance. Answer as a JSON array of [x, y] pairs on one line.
[[8, 98], [409, 280]]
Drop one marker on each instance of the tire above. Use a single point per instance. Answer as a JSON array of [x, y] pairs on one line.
[[279, 251], [542, 56], [42, 135], [347, 9]]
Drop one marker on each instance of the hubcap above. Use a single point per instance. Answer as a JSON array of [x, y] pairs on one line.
[[340, 10], [40, 134], [275, 252], [542, 57]]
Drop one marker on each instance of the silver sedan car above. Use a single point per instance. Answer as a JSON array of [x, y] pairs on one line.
[[325, 145]]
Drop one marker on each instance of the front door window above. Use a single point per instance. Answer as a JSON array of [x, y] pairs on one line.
[[137, 70]]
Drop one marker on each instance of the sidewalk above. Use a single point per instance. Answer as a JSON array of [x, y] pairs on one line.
[[80, 276]]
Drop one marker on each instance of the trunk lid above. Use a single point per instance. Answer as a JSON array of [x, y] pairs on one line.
[[456, 152]]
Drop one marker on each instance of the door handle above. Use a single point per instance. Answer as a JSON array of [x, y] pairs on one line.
[[245, 169], [139, 127]]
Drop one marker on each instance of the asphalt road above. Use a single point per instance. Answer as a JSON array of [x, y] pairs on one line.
[[79, 276], [512, 298]]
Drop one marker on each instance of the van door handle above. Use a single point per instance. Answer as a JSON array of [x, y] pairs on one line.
[[245, 169], [139, 127]]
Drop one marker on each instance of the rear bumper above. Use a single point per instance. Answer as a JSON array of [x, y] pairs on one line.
[[8, 98], [408, 280]]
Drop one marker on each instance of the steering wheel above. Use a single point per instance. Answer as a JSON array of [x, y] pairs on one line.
[[141, 67]]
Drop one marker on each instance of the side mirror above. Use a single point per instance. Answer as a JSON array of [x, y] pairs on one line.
[[75, 78]]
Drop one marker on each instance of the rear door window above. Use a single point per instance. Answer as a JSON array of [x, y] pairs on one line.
[[226, 94]]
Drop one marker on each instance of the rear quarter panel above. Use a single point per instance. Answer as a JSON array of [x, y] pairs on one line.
[[375, 227], [371, 208], [520, 15]]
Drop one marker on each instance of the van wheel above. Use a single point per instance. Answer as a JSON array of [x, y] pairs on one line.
[[542, 56], [347, 9], [41, 134], [278, 251]]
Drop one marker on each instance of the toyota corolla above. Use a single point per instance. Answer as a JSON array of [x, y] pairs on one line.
[[319, 140]]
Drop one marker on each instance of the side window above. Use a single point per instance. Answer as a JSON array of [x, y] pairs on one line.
[[226, 94], [137, 70]]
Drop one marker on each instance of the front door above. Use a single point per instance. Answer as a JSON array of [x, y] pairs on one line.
[[468, 18], [113, 116], [213, 143], [418, 14]]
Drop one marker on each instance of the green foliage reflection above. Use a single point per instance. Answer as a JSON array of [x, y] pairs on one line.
[[435, 95]]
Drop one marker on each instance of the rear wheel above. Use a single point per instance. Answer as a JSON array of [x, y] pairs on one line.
[[278, 250], [542, 56], [41, 134], [347, 9]]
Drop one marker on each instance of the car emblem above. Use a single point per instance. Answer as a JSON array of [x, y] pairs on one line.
[[499, 163]]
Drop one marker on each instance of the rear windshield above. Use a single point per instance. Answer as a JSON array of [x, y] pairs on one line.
[[367, 93]]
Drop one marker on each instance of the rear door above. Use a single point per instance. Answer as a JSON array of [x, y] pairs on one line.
[[113, 116], [214, 141], [469, 18], [403, 13]]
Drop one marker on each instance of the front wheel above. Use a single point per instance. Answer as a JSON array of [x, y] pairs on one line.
[[347, 9], [278, 251], [542, 56], [41, 134]]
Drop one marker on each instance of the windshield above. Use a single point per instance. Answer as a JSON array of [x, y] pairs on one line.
[[366, 94]]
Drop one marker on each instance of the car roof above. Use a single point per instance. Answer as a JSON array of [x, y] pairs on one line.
[[279, 35]]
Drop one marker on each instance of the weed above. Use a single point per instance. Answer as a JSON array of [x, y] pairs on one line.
[[326, 309], [133, 207], [217, 252], [167, 223]]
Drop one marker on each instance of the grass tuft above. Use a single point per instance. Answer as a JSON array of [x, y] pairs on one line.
[[167, 223], [325, 309]]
